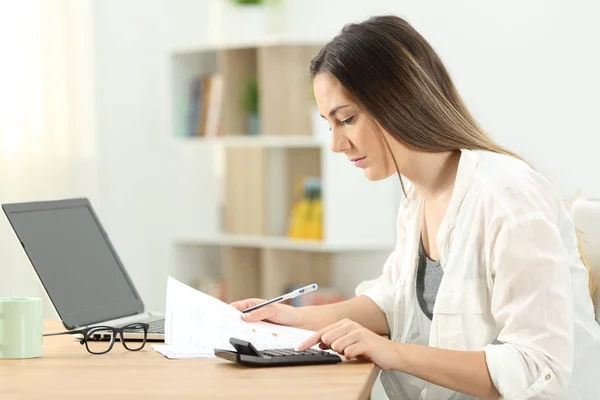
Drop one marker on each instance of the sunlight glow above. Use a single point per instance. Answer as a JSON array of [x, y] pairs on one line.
[[20, 80]]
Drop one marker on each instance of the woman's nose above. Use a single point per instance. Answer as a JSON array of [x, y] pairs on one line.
[[339, 142]]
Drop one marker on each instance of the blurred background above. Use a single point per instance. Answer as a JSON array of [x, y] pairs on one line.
[[191, 127]]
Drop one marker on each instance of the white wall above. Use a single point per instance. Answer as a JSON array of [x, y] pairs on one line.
[[129, 75], [528, 70]]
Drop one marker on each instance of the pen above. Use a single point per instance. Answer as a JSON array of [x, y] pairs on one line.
[[290, 295]]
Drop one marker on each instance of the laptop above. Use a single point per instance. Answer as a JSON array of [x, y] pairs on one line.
[[78, 266]]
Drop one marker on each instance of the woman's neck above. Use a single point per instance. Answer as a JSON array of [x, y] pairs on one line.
[[434, 174]]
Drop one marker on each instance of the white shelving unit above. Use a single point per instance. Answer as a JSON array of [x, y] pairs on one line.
[[280, 243], [233, 222]]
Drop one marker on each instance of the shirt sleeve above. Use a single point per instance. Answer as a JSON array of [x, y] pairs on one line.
[[380, 290], [531, 303]]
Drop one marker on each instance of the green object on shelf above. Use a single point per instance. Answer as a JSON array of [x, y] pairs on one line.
[[251, 97], [251, 106], [246, 2]]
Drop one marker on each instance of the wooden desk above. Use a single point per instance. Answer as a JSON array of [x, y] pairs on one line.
[[67, 371]]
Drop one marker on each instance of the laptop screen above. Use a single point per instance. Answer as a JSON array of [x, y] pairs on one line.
[[74, 260]]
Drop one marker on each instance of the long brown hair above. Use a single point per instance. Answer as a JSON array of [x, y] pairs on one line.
[[397, 77]]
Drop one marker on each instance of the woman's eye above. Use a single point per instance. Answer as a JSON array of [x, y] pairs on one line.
[[348, 121]]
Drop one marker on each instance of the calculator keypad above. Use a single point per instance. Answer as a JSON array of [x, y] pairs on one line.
[[292, 353]]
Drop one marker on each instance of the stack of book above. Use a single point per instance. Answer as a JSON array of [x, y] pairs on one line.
[[204, 106]]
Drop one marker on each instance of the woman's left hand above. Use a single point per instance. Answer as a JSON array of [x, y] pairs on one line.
[[352, 340]]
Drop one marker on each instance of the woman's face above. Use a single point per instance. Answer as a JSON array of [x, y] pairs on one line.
[[353, 132]]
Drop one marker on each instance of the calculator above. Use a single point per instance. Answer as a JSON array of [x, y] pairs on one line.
[[246, 354]]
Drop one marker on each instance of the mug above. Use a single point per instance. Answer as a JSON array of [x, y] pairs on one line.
[[20, 327]]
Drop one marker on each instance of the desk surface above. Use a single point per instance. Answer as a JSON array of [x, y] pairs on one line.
[[67, 370]]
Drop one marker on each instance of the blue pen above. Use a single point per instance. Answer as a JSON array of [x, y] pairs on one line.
[[290, 295]]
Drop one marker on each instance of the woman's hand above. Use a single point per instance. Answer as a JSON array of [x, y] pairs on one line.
[[281, 314], [352, 340]]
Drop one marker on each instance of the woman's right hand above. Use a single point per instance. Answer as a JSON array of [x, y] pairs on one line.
[[280, 314]]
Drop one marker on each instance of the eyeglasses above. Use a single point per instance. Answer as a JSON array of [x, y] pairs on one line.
[[100, 339]]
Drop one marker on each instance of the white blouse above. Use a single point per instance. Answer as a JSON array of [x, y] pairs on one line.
[[514, 286]]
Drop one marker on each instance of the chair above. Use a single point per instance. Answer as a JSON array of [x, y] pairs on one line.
[[586, 216]]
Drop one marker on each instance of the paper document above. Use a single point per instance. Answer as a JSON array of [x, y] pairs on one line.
[[170, 351], [196, 324]]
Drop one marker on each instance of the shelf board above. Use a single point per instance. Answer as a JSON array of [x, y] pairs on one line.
[[281, 141], [267, 40], [281, 243]]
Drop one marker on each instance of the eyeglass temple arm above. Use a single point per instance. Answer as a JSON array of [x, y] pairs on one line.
[[64, 333]]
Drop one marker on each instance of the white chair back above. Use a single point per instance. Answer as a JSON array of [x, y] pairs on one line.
[[586, 216]]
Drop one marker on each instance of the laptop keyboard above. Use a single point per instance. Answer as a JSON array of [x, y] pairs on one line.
[[157, 326]]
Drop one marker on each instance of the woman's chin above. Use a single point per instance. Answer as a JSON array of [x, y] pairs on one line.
[[374, 175]]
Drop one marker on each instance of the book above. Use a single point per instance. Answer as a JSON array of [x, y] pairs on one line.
[[204, 106]]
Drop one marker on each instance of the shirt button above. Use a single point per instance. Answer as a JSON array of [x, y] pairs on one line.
[[547, 377]]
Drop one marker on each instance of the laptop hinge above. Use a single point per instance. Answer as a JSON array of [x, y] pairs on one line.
[[124, 320]]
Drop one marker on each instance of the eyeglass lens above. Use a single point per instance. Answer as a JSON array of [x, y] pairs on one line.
[[99, 340], [136, 335]]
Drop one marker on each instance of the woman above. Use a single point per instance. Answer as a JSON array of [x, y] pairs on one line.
[[486, 290]]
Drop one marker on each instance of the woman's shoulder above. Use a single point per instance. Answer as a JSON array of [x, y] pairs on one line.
[[502, 168], [512, 187]]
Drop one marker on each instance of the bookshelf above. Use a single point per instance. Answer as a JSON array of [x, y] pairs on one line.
[[253, 177]]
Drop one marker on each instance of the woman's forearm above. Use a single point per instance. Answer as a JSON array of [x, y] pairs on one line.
[[360, 309], [461, 371]]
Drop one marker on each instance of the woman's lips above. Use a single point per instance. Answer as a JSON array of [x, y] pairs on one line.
[[358, 161]]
